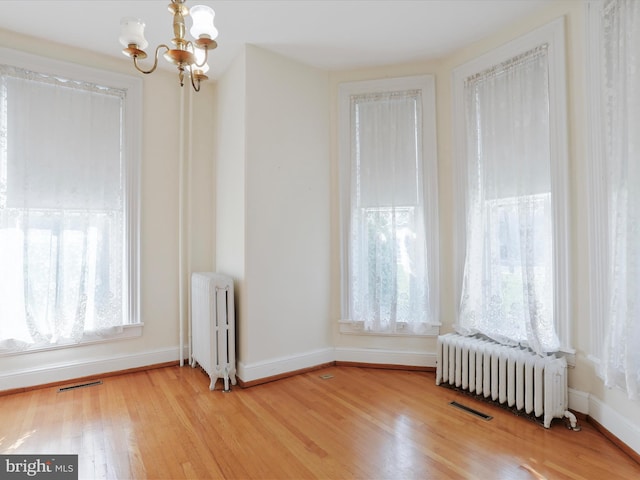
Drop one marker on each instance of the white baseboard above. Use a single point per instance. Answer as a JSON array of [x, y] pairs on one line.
[[579, 401], [249, 372], [385, 357], [626, 431], [246, 371], [259, 370], [96, 366]]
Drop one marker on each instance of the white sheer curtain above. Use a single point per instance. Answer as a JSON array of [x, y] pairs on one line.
[[389, 287], [61, 210], [508, 282], [621, 66]]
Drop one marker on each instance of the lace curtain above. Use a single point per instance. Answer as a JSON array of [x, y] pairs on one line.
[[508, 282], [621, 66], [61, 210], [389, 287]]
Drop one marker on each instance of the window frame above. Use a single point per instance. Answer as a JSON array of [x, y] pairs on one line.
[[132, 152], [426, 85], [552, 34]]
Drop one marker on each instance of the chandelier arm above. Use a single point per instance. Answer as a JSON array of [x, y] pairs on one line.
[[193, 83], [206, 55], [155, 62]]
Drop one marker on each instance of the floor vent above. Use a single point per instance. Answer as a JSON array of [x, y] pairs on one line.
[[470, 410], [326, 376], [80, 385]]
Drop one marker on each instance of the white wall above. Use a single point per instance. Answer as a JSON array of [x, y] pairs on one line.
[[230, 170], [287, 207], [159, 231], [282, 170], [200, 177], [230, 188]]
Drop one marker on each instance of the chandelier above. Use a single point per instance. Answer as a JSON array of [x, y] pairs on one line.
[[190, 57]]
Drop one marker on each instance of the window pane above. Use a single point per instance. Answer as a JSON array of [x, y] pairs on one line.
[[390, 286]]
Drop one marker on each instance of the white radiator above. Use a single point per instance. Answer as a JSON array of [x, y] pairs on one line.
[[514, 377], [213, 327]]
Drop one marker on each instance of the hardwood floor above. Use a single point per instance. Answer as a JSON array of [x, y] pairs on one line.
[[359, 424]]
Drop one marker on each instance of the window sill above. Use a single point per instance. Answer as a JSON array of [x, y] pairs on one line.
[[127, 332], [349, 327]]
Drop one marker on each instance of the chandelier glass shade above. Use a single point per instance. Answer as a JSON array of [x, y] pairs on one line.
[[189, 56]]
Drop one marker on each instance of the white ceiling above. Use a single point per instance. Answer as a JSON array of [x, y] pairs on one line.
[[329, 34]]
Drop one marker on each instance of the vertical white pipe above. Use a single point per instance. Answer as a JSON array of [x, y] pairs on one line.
[[189, 219], [181, 221]]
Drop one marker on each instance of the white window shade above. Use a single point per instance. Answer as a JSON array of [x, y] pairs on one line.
[[60, 154], [387, 149], [505, 127]]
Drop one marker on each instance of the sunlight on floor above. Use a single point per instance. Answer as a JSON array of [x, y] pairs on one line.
[[403, 452], [533, 471], [18, 442]]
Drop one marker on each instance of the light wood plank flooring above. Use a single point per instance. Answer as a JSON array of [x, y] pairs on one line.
[[360, 424]]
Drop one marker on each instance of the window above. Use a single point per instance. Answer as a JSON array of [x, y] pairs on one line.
[[614, 209], [511, 139], [389, 206], [68, 204]]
